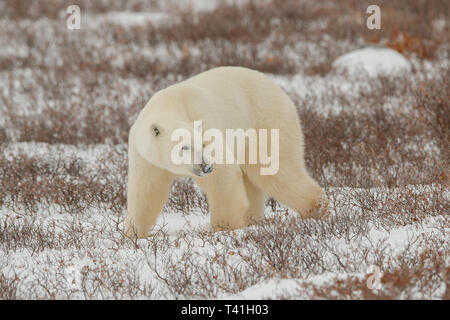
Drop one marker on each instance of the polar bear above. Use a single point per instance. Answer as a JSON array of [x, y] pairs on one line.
[[222, 98]]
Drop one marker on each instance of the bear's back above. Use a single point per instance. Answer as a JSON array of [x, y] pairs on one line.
[[249, 92]]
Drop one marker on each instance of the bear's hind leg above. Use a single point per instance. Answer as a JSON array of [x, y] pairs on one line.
[[313, 202], [297, 190]]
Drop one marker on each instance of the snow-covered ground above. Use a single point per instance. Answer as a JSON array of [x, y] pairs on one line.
[[85, 255], [62, 193]]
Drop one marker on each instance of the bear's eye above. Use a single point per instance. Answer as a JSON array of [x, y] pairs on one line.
[[156, 131]]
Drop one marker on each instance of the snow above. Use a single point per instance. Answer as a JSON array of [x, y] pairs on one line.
[[97, 242], [125, 19], [374, 61], [175, 234], [266, 289], [285, 288]]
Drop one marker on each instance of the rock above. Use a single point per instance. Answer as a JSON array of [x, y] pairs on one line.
[[373, 60]]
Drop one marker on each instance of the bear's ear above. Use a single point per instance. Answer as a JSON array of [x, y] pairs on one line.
[[155, 130]]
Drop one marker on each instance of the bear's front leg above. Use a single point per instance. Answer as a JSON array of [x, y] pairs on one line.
[[227, 197], [148, 189]]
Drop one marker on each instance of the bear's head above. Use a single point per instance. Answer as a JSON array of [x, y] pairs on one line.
[[169, 143]]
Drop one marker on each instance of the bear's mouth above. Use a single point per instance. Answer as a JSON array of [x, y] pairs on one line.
[[203, 170]]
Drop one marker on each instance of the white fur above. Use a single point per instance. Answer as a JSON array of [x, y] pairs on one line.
[[223, 98]]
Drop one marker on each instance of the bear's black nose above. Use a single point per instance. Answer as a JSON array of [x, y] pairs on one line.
[[207, 168]]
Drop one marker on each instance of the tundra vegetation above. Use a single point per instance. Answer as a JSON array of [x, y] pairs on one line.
[[378, 145]]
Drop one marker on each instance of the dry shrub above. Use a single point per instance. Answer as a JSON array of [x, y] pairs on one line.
[[407, 44], [67, 117], [32, 184], [103, 279], [432, 104], [8, 287], [372, 147], [185, 198], [406, 26], [3, 136], [189, 274], [421, 276], [382, 160], [54, 9], [18, 234]]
